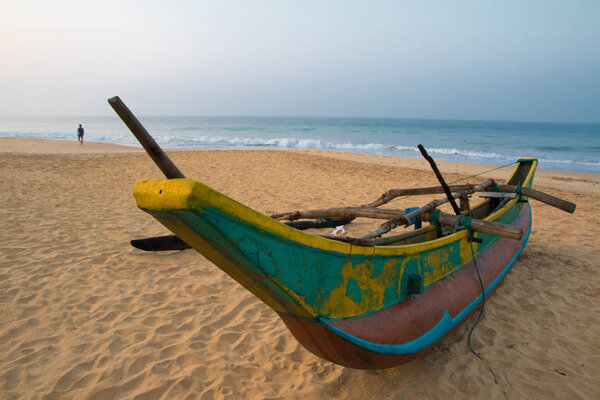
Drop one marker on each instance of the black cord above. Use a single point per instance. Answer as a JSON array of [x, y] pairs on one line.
[[480, 313]]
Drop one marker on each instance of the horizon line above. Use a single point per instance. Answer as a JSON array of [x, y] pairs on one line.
[[310, 117]]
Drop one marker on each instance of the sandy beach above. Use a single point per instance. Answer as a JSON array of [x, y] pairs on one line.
[[86, 316]]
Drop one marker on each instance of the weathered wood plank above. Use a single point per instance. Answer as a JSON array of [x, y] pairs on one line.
[[497, 195], [340, 212], [541, 196], [480, 225]]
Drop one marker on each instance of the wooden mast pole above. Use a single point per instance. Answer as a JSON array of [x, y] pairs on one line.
[[152, 148]]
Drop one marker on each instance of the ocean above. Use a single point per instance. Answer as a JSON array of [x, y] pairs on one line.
[[562, 146]]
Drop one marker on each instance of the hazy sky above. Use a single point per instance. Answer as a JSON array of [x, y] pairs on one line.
[[495, 60]]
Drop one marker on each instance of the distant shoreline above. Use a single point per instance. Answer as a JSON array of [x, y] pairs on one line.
[[588, 182]]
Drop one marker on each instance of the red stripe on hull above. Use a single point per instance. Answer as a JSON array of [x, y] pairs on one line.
[[326, 344], [409, 319]]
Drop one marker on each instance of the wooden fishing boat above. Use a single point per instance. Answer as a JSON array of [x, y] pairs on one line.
[[358, 306], [362, 304]]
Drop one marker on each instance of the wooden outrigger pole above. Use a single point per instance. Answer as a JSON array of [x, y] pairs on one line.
[[152, 148]]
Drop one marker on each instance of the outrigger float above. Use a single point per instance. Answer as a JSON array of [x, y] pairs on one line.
[[370, 302]]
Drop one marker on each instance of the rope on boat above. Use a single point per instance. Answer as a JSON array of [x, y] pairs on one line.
[[482, 304], [485, 172], [518, 190], [327, 221], [464, 223], [494, 184], [435, 220]]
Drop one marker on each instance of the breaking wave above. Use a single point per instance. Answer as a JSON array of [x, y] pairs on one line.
[[186, 141]]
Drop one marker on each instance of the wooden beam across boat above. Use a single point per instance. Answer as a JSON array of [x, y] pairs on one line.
[[479, 225], [340, 212], [395, 193], [539, 196], [524, 191], [405, 219], [497, 195]]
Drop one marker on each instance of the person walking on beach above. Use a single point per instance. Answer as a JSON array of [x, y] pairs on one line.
[[80, 134]]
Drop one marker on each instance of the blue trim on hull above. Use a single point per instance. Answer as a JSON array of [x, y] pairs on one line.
[[445, 324]]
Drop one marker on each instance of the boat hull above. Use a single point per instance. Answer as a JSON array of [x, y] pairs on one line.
[[409, 329], [364, 307]]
